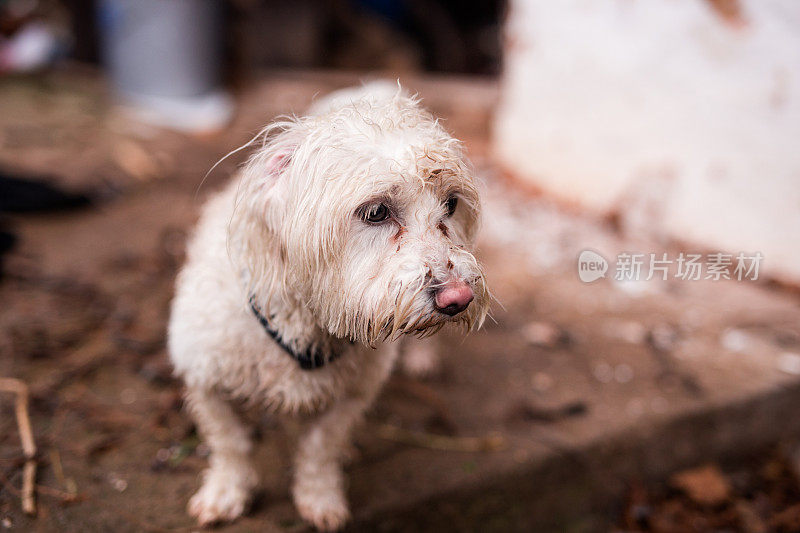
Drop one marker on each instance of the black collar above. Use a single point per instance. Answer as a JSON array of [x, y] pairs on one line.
[[308, 360]]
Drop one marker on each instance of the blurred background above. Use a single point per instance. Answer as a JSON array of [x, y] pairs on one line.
[[641, 172]]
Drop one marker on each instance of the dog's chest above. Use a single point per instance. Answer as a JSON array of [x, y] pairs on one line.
[[273, 379]]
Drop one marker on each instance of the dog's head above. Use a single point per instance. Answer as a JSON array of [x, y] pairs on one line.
[[365, 214]]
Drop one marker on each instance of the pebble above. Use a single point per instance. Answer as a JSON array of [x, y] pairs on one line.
[[664, 337], [789, 362], [542, 334], [117, 482], [659, 404], [603, 372], [635, 408], [163, 455], [736, 340], [705, 485], [626, 330], [542, 381], [623, 373], [127, 396], [136, 161]]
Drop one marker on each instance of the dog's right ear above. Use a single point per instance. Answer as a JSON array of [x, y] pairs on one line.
[[276, 163], [278, 143]]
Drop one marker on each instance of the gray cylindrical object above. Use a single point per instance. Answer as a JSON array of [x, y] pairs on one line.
[[167, 48]]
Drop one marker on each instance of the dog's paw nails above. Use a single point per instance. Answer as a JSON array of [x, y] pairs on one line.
[[325, 516], [215, 502]]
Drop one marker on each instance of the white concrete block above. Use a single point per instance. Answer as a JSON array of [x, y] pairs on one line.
[[683, 122]]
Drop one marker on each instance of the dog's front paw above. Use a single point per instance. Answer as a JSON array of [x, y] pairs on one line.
[[218, 500], [326, 513]]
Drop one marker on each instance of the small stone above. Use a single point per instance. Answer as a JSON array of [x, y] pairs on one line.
[[626, 330], [623, 373], [542, 381], [136, 161], [127, 396], [603, 372], [789, 362], [705, 485], [659, 404], [542, 334], [663, 337], [635, 408], [736, 340], [117, 482]]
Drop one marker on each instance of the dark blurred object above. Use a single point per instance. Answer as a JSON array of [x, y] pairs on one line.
[[433, 35], [453, 36], [437, 35], [26, 195], [20, 194], [86, 36], [7, 241]]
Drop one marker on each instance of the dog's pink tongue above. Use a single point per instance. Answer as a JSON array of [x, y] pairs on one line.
[[453, 297]]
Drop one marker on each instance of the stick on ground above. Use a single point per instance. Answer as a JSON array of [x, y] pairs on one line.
[[28, 445]]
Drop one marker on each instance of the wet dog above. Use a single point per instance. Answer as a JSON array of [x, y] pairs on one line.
[[346, 229]]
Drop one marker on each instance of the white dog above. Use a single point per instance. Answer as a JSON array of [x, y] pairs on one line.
[[346, 229]]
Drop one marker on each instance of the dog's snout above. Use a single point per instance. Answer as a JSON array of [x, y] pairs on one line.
[[453, 297]]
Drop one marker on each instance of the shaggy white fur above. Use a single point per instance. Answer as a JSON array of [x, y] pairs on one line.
[[346, 227]]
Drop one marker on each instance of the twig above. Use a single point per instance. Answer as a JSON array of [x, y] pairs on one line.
[[26, 437], [441, 442], [65, 497], [58, 469]]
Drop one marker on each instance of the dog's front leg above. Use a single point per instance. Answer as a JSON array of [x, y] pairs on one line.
[[230, 478], [319, 488]]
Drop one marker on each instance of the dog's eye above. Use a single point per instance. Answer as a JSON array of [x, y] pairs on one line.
[[376, 213], [451, 205]]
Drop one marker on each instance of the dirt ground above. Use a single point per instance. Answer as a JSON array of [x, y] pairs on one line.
[[758, 494], [85, 301]]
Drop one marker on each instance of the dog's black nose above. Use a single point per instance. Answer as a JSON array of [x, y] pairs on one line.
[[453, 297]]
